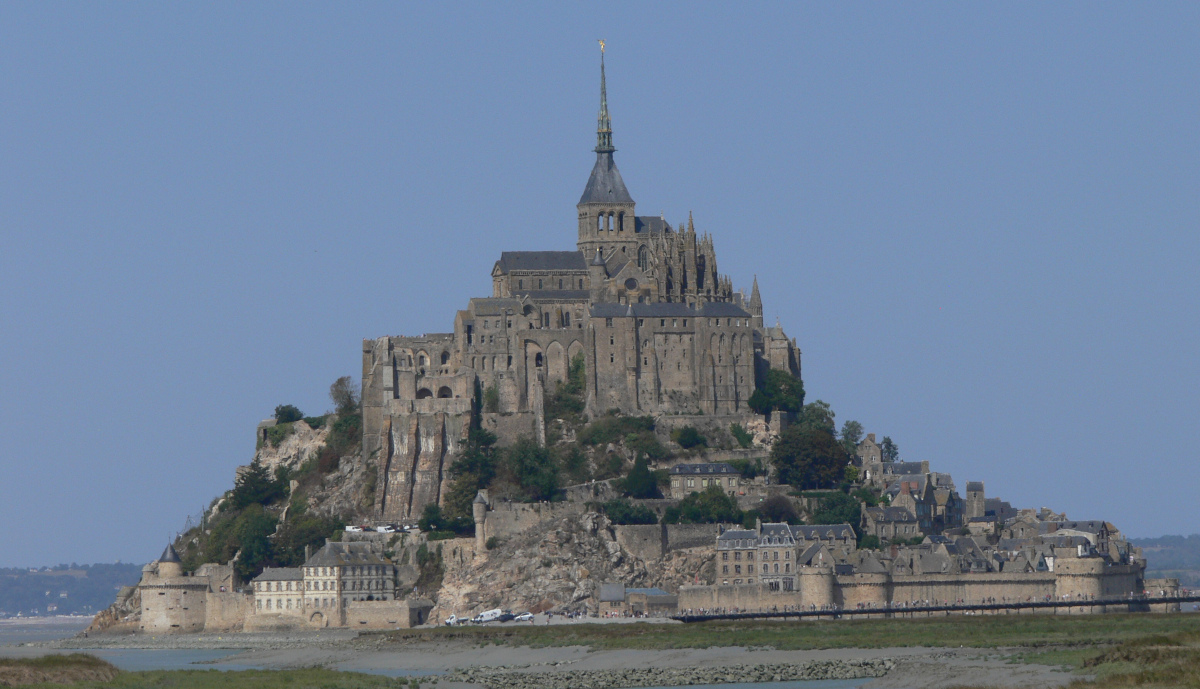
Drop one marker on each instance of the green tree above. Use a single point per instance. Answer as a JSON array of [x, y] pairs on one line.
[[641, 483], [852, 434], [533, 469], [252, 530], [491, 399], [255, 485], [302, 530], [472, 471], [838, 508], [809, 457], [712, 506], [778, 508], [741, 435], [817, 415], [287, 413], [778, 390], [621, 511], [433, 521], [344, 394], [688, 437], [891, 453]]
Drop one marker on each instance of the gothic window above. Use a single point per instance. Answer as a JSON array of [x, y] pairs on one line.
[[620, 222], [600, 222], [537, 360], [445, 358]]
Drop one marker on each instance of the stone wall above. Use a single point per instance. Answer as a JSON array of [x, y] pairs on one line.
[[681, 536], [228, 611], [508, 518], [646, 542], [175, 605], [391, 614], [509, 427]]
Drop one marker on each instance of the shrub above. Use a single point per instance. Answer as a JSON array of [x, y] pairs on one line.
[[491, 399], [344, 394], [533, 469], [646, 443], [838, 508], [747, 468], [688, 437], [435, 523], [778, 508], [255, 485], [778, 390], [710, 507], [315, 422], [869, 542], [276, 433], [624, 512], [610, 428], [287, 413], [492, 543], [741, 435]]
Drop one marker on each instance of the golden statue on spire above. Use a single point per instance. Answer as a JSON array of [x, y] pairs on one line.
[[601, 40]]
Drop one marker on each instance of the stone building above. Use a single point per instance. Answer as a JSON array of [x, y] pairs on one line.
[[172, 602], [770, 553], [694, 478], [639, 300]]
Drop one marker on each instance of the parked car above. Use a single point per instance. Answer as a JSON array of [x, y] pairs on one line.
[[354, 529], [524, 617], [487, 616], [453, 620], [505, 617], [386, 528]]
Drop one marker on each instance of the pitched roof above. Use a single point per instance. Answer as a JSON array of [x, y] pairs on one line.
[[738, 534], [541, 260], [712, 309], [975, 486], [651, 224], [554, 294], [280, 574], [344, 554], [706, 468], [605, 184]]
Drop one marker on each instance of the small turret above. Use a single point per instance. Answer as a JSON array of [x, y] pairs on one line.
[[479, 512], [169, 564]]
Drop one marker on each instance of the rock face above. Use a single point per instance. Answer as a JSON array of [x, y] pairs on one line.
[[559, 565], [123, 615]]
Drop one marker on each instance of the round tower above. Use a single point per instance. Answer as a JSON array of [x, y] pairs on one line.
[[479, 512], [169, 564], [816, 586]]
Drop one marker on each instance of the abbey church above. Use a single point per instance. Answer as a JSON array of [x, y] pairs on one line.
[[660, 330]]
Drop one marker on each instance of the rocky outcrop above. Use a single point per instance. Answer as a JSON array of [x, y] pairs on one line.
[[296, 448], [558, 565], [123, 615], [513, 678]]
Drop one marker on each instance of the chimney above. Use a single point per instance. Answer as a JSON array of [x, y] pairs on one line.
[[307, 552]]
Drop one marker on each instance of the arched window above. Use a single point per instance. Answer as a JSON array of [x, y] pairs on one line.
[[445, 393], [445, 358], [422, 359], [600, 223], [610, 221], [643, 258], [620, 222], [537, 360], [424, 394]]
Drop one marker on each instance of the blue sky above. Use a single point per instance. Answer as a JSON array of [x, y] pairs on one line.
[[979, 222]]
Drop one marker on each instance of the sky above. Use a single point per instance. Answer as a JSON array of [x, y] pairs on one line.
[[980, 223]]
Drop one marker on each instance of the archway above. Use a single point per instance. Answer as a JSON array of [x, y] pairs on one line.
[[556, 360], [444, 392], [424, 394]]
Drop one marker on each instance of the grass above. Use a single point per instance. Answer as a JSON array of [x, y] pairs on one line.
[[985, 631], [310, 678], [54, 668]]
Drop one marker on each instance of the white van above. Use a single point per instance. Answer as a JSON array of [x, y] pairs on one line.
[[487, 616]]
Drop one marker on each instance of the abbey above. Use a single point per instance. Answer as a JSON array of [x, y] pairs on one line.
[[659, 330]]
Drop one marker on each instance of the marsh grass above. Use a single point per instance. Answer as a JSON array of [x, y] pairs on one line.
[[985, 631], [310, 678], [56, 669]]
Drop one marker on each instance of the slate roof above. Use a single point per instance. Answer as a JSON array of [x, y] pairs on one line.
[[891, 514], [649, 592], [903, 468], [280, 574], [716, 309], [541, 260], [651, 224], [551, 294], [823, 532], [975, 486], [605, 184], [708, 468], [169, 555], [739, 535], [612, 593], [343, 554], [776, 531]]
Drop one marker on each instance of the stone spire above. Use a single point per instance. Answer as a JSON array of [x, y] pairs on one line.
[[755, 300], [604, 142]]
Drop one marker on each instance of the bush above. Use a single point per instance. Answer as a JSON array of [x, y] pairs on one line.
[[809, 457], [611, 429], [492, 543], [344, 394], [315, 422], [779, 509], [276, 433], [287, 413], [869, 542], [646, 443], [741, 435], [748, 469], [712, 506], [301, 530], [532, 468], [255, 485], [839, 508], [623, 512], [688, 437], [778, 390], [491, 399], [566, 402], [433, 522]]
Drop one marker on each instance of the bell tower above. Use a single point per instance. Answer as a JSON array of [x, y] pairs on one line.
[[606, 210]]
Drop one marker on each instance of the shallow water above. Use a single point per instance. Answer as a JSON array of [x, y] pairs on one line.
[[20, 631]]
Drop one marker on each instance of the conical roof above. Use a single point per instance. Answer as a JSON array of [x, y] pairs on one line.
[[169, 555], [605, 184]]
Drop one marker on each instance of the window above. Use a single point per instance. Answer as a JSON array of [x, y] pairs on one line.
[[662, 322], [520, 284], [724, 569], [737, 569], [641, 322], [560, 283], [737, 556], [539, 283], [612, 340], [725, 556], [608, 323], [674, 323]]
